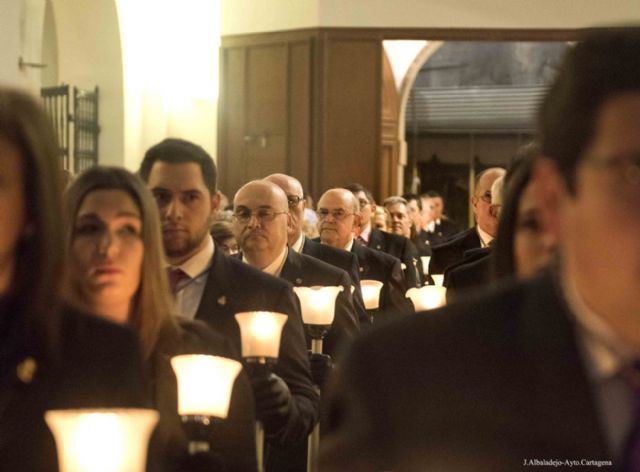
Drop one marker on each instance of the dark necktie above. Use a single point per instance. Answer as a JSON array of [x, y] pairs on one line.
[[631, 457], [175, 277]]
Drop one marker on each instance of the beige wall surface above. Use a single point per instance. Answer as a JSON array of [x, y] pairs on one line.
[[251, 16]]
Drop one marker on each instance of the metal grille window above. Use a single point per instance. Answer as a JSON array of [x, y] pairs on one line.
[[77, 132]]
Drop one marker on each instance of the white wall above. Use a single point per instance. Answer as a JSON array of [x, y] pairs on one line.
[[247, 16], [21, 24], [89, 54]]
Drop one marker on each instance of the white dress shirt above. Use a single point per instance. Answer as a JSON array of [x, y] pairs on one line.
[[275, 267], [605, 355], [297, 246], [485, 238], [366, 233], [189, 292]]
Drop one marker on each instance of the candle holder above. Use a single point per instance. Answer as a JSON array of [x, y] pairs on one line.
[[427, 297], [318, 306], [205, 384], [102, 440], [260, 333], [371, 296]]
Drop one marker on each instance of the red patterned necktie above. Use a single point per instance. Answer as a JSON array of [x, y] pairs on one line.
[[175, 277]]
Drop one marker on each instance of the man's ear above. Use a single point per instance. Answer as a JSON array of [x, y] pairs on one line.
[[550, 191], [215, 203], [290, 223]]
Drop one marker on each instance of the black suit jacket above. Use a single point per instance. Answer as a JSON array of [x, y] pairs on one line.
[[446, 228], [305, 271], [233, 287], [232, 440], [474, 386], [377, 265], [99, 366], [400, 248], [468, 276], [452, 251], [344, 260]]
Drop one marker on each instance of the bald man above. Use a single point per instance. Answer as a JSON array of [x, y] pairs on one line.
[[481, 235], [339, 214], [339, 258], [260, 226]]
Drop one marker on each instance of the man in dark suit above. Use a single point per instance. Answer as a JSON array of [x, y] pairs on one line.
[[392, 244], [338, 211], [263, 242], [443, 227], [182, 178], [451, 251], [298, 242], [545, 370]]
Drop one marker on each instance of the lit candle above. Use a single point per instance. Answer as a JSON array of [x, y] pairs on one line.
[[318, 304], [371, 293], [438, 279], [104, 440], [260, 332], [425, 264], [205, 384], [427, 297]]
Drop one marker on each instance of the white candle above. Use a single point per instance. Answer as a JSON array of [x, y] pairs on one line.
[[371, 293], [205, 384], [427, 297], [260, 332], [104, 440], [318, 304]]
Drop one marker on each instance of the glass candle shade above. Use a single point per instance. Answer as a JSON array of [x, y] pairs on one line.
[[425, 264], [260, 332], [103, 440], [427, 297], [318, 304], [371, 293], [438, 279], [205, 384]]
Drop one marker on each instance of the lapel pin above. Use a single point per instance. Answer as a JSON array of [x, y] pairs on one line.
[[222, 300], [298, 281], [26, 369], [378, 247]]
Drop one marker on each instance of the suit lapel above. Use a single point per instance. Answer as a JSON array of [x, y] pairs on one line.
[[376, 240], [293, 270], [214, 296]]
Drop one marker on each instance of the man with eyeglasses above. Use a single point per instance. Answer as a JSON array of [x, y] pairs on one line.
[[300, 243], [339, 213], [261, 222], [392, 244], [213, 287], [544, 372], [481, 235]]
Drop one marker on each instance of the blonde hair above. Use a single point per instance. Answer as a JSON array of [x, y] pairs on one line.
[[151, 314]]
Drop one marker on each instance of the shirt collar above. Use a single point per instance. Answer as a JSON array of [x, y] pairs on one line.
[[349, 245], [431, 227], [297, 246], [485, 238], [199, 262], [276, 265], [606, 353], [366, 232]]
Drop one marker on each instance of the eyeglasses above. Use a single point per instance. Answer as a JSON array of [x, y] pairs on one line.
[[263, 215], [485, 197], [293, 200], [338, 214]]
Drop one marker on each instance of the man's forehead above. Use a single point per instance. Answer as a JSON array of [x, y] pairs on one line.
[[255, 196], [334, 200], [176, 176]]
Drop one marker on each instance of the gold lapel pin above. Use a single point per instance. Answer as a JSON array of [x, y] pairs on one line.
[[26, 369], [222, 300]]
